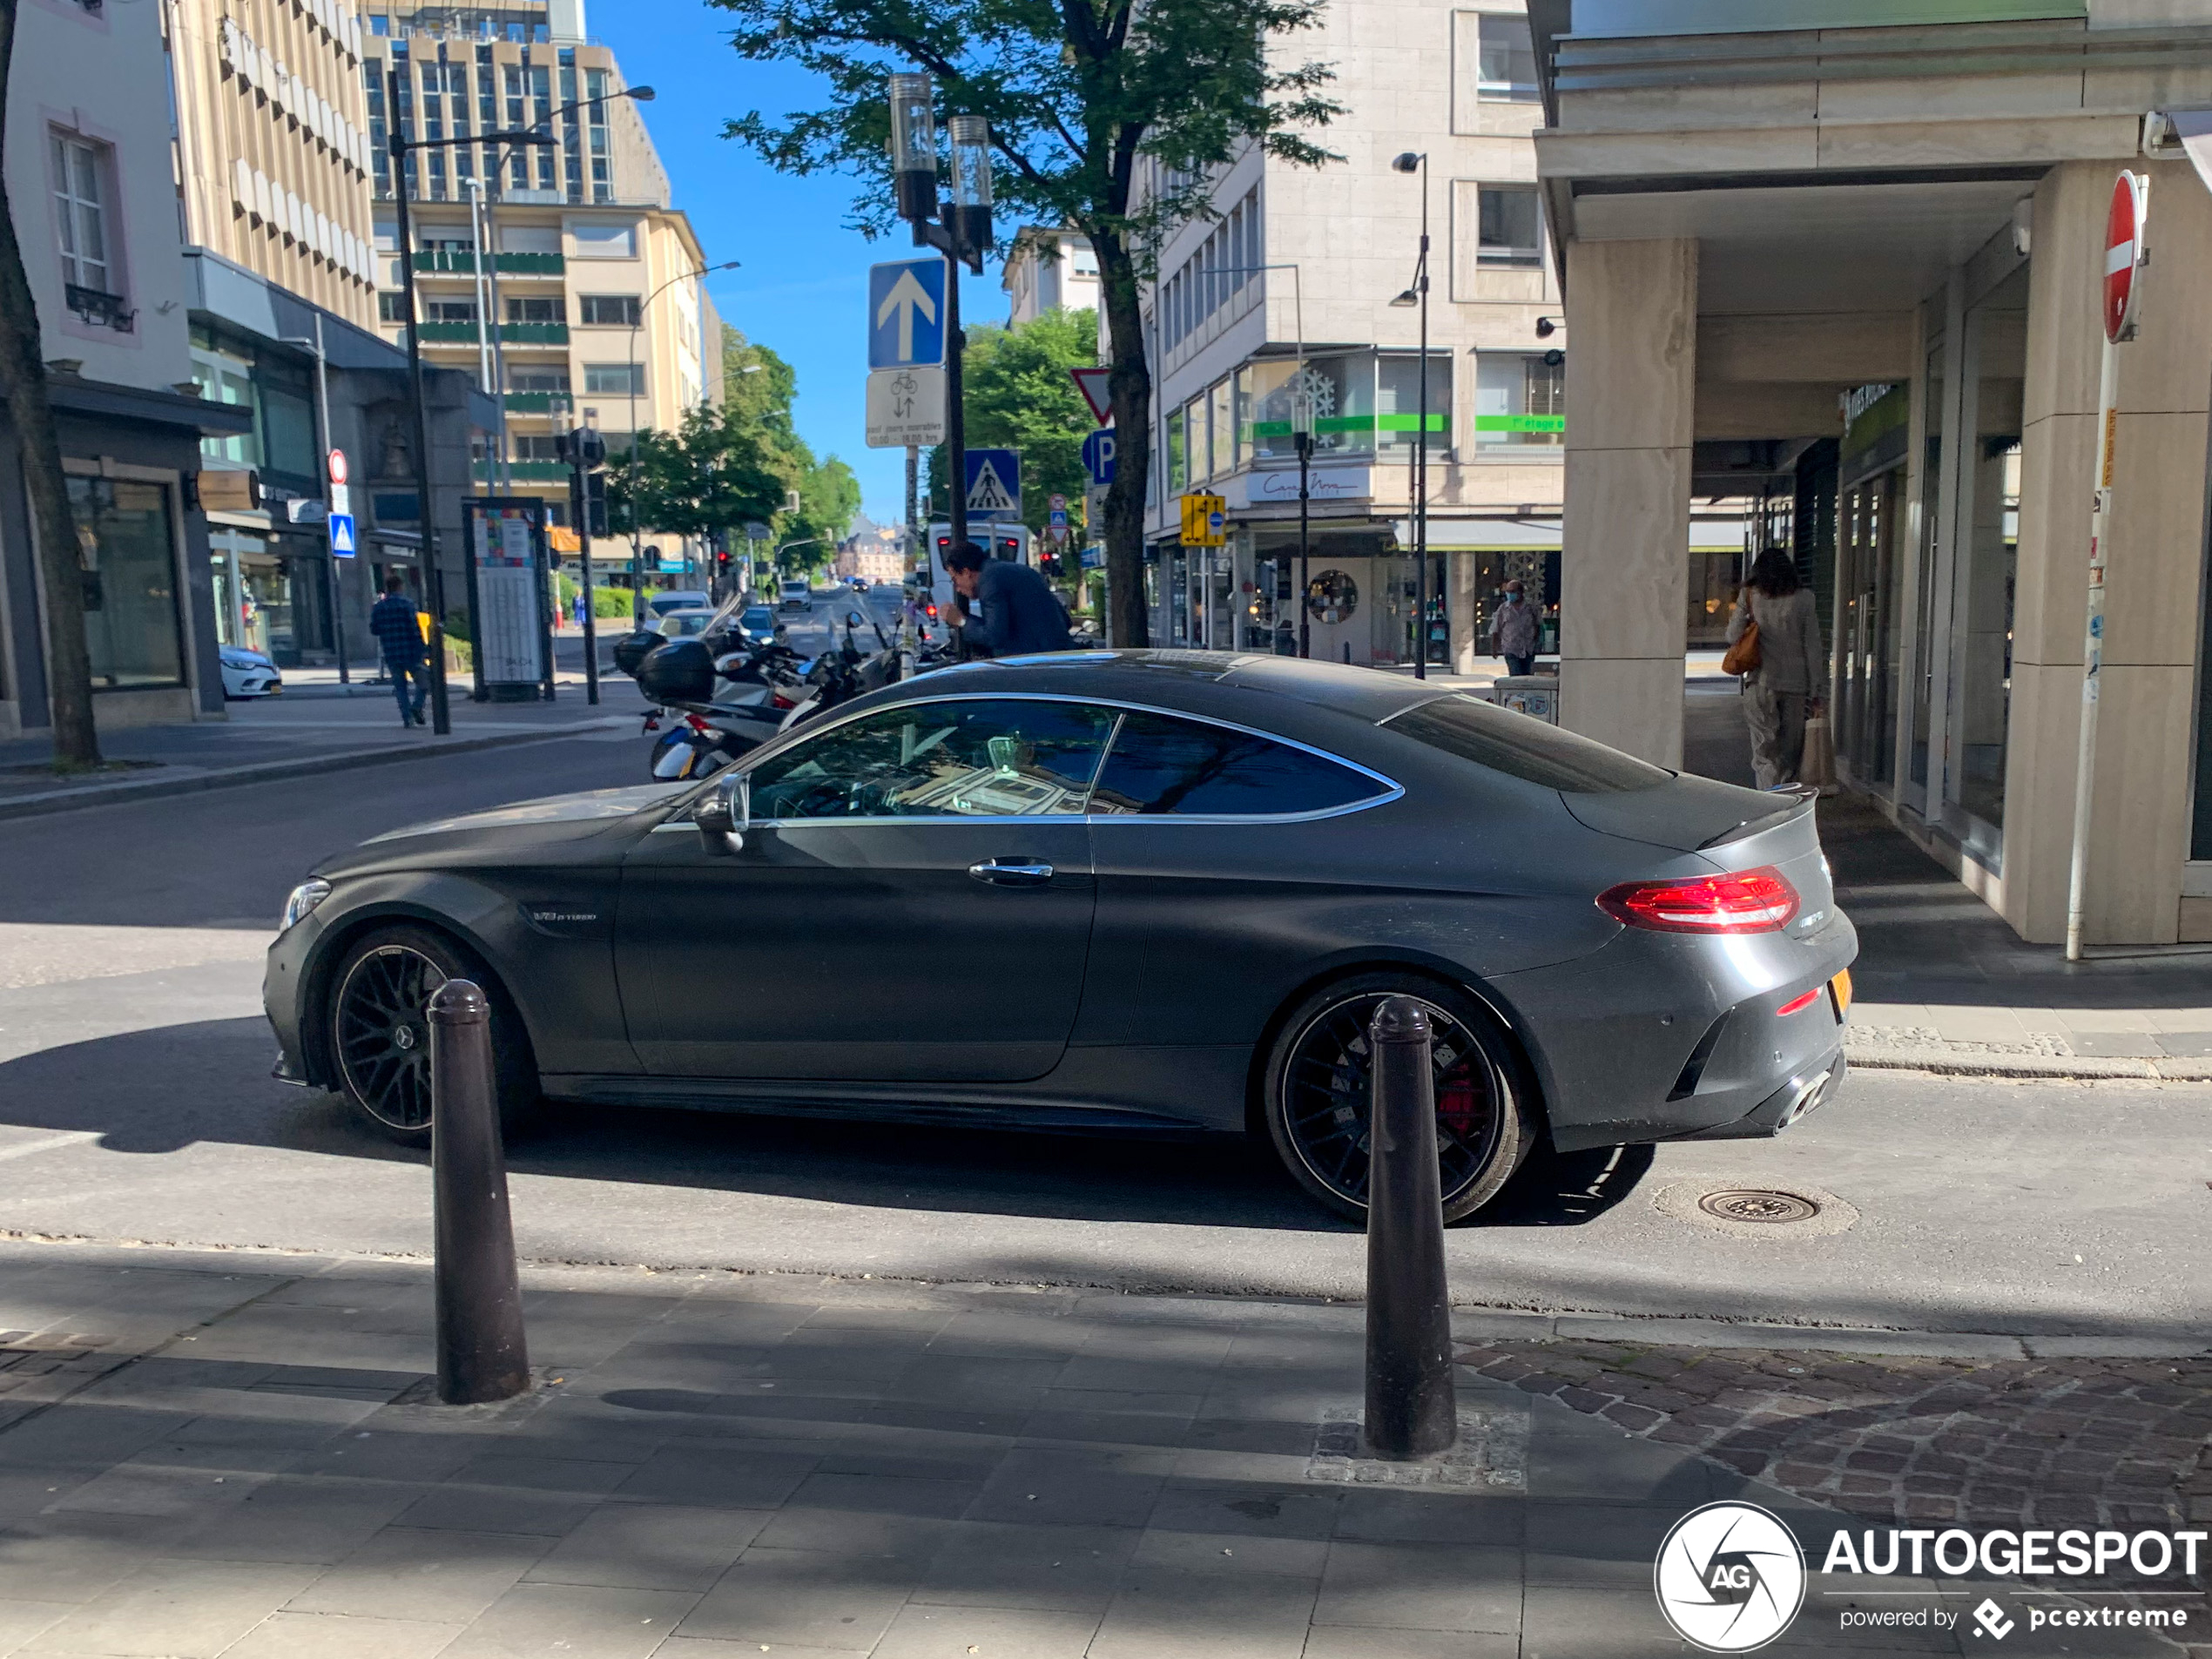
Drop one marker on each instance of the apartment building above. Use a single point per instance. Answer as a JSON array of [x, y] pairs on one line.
[[558, 276], [1048, 270], [1294, 285], [88, 179]]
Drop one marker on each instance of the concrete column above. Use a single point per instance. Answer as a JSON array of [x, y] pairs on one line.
[[2141, 811], [1624, 568]]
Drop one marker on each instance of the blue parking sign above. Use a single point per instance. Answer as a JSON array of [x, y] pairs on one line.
[[907, 312], [1098, 457]]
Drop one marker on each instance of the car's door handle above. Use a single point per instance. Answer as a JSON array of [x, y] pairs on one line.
[[1011, 873]]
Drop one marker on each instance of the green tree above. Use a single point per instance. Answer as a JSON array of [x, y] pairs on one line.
[[1020, 396], [759, 389], [23, 378], [1080, 96], [709, 475]]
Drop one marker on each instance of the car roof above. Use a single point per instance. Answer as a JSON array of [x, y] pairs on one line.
[[1263, 690]]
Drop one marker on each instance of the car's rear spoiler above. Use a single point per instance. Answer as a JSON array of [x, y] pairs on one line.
[[1799, 797]]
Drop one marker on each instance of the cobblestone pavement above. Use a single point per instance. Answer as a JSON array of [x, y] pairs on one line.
[[2013, 1443]]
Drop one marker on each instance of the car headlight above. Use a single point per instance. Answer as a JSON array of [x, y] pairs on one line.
[[304, 899]]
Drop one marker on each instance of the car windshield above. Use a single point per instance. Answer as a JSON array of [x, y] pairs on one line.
[[758, 616], [1522, 747]]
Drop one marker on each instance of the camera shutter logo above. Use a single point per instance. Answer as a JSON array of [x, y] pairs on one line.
[[1730, 1577]]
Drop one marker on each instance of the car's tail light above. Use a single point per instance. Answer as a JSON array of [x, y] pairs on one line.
[[778, 700], [1745, 901]]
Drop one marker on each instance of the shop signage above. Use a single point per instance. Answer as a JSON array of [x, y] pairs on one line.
[[229, 489], [1278, 486]]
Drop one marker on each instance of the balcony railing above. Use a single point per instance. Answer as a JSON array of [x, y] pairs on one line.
[[95, 306], [511, 334], [439, 261], [525, 472], [540, 402]]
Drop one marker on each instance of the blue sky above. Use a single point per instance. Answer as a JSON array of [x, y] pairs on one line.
[[803, 284]]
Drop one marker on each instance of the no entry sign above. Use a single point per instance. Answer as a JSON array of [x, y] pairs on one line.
[[2124, 251]]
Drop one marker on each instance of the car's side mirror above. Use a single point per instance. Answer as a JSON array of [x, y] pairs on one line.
[[724, 814], [854, 619]]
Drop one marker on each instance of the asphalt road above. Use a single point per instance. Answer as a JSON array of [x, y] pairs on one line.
[[135, 1103]]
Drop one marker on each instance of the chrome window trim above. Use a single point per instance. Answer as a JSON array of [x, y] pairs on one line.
[[1392, 789]]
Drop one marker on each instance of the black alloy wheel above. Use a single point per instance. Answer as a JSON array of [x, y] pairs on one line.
[[380, 1028], [1320, 1072]]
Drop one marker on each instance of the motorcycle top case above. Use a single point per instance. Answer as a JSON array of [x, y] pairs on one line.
[[680, 671], [632, 649]]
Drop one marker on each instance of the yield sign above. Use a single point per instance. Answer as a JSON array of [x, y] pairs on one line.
[[1091, 382], [2124, 252]]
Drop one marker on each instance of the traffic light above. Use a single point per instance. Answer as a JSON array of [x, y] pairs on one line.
[[595, 503], [1048, 562], [584, 447]]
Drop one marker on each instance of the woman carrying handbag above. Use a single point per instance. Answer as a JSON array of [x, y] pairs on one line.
[[1774, 642]]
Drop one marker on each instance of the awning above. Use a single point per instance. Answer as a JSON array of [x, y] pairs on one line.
[[1526, 535], [2193, 129]]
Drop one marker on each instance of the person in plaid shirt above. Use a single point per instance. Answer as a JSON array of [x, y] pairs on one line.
[[392, 620]]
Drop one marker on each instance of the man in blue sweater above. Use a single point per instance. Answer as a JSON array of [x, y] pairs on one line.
[[392, 620], [1010, 611]]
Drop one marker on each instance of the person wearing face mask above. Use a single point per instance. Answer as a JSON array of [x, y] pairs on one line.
[[1513, 630]]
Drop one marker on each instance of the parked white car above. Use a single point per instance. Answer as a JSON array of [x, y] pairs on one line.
[[249, 673]]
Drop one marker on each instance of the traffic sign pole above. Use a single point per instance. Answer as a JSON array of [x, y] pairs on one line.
[[2123, 258], [955, 410]]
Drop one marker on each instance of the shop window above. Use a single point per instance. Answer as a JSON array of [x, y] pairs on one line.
[[1399, 398], [1505, 62], [1519, 399], [1509, 228], [129, 557], [615, 379], [224, 379], [608, 310]]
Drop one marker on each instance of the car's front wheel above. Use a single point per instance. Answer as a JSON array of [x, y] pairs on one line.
[[1319, 1074], [380, 1030]]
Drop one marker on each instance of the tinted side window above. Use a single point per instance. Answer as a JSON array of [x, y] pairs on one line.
[[1523, 747], [980, 759], [1160, 765]]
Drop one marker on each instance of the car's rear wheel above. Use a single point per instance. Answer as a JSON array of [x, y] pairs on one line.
[[380, 1030], [1320, 1073]]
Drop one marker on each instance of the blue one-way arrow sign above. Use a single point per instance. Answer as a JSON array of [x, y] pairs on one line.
[[907, 312]]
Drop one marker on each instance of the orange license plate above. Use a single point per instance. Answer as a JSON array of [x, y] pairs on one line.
[[1839, 987]]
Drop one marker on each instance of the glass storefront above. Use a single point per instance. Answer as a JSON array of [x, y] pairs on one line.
[[269, 595], [126, 541]]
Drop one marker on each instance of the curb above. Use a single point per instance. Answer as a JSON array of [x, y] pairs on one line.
[[1946, 1063], [69, 800]]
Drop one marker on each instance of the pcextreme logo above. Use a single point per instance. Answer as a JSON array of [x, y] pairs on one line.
[[1730, 1577]]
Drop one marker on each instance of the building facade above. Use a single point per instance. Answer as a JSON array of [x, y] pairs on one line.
[[1303, 286], [558, 276], [1865, 266], [88, 178], [1048, 270], [272, 144]]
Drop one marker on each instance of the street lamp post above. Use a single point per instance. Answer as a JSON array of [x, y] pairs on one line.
[[629, 463], [962, 232], [1417, 161]]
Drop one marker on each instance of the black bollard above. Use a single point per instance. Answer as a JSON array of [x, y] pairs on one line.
[[481, 1355], [1412, 1411]]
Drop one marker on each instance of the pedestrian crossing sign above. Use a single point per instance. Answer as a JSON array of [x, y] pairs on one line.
[[341, 536], [993, 484]]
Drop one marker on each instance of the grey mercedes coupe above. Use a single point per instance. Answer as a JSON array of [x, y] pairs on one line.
[[1150, 892]]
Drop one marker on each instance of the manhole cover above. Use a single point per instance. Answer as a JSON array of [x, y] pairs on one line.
[[1758, 1204]]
